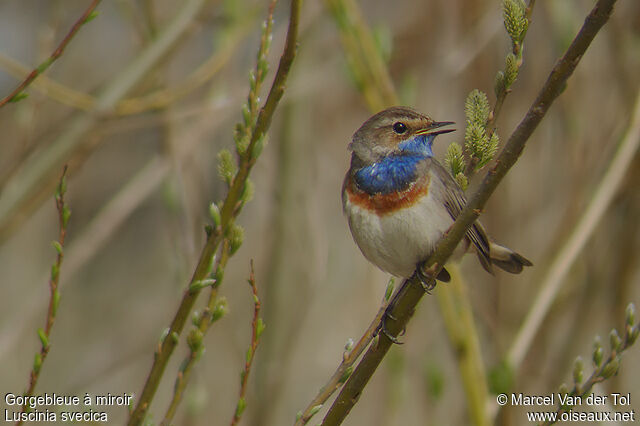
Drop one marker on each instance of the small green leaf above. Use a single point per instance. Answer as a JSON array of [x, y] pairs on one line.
[[44, 65], [214, 212], [258, 147], [598, 353], [247, 191], [500, 84], [93, 15], [18, 97], [57, 246], [349, 345], [200, 284], [510, 70], [253, 82], [196, 317], [614, 340], [37, 362], [55, 271], [219, 310], [578, 371], [390, 287], [227, 168], [44, 340], [56, 302], [260, 326], [347, 373], [236, 236], [66, 214], [610, 368], [315, 410], [630, 315], [242, 404], [194, 339]]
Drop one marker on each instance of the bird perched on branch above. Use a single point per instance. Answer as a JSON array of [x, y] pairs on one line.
[[399, 200]]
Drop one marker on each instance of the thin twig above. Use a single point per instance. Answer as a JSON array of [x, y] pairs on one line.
[[204, 321], [411, 291], [160, 98], [19, 193], [257, 327], [51, 59], [603, 371], [343, 371], [228, 212], [501, 95], [54, 293]]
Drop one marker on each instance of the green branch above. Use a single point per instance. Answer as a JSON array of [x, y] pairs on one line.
[[257, 327], [407, 298], [230, 209], [18, 92], [54, 294], [603, 368]]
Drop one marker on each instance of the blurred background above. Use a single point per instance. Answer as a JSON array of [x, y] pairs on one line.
[[143, 170]]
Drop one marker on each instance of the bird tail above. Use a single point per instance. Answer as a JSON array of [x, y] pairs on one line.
[[507, 259]]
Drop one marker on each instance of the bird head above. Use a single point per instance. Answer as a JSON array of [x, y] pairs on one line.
[[394, 131]]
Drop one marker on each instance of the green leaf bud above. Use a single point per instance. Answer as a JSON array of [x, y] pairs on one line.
[[630, 315], [227, 168], [578, 370], [615, 341], [611, 368], [510, 70], [44, 339], [598, 352], [454, 159], [194, 339], [236, 236]]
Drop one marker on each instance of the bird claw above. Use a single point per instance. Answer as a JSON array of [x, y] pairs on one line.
[[383, 328], [427, 281]]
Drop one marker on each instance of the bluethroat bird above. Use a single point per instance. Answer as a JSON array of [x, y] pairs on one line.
[[400, 200]]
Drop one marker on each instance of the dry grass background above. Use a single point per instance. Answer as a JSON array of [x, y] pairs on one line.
[[119, 293]]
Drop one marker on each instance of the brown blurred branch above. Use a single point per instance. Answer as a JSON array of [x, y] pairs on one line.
[[20, 194], [160, 98], [365, 61], [411, 292], [257, 327], [54, 293], [230, 209], [86, 17]]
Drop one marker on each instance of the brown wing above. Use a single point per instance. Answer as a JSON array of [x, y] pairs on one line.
[[454, 200]]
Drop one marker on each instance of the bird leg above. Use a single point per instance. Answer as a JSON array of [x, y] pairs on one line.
[[382, 327], [427, 277]]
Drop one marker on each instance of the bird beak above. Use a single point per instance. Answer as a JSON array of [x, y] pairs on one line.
[[435, 125]]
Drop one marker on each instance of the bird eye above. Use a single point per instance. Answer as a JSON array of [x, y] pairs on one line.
[[399, 128]]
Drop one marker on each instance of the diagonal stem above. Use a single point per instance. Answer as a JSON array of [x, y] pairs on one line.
[[411, 291]]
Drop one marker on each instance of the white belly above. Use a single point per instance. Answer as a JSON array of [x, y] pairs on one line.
[[396, 242]]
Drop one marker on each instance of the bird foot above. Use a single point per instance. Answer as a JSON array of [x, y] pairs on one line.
[[427, 278], [382, 328]]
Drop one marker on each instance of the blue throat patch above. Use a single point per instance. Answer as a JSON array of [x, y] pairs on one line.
[[397, 171]]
